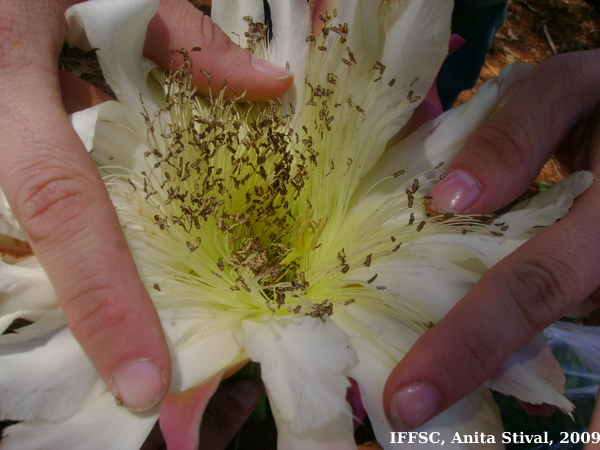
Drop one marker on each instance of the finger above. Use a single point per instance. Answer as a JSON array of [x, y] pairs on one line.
[[178, 25], [227, 411], [58, 197], [504, 156], [512, 303]]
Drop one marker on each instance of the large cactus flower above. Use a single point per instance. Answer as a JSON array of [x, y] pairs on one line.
[[293, 233]]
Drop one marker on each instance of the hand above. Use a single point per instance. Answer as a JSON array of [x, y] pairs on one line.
[[556, 110], [59, 198]]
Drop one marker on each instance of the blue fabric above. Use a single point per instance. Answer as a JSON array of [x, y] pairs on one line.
[[476, 21]]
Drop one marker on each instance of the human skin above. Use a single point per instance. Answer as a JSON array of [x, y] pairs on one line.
[[59, 199], [556, 111]]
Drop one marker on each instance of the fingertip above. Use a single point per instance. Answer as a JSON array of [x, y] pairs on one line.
[[244, 77], [413, 404], [271, 69], [139, 385], [456, 193], [428, 379]]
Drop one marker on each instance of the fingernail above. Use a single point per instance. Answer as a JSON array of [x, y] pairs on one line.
[[455, 193], [139, 386], [413, 405], [245, 393], [271, 70]]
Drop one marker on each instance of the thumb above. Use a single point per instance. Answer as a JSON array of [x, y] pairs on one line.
[[178, 25], [504, 156]]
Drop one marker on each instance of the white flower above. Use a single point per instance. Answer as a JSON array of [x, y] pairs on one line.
[[286, 233]]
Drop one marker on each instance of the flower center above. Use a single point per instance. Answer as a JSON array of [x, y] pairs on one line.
[[248, 209], [227, 181]]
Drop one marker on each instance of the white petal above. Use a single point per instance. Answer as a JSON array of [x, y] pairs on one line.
[[380, 342], [9, 317], [45, 323], [441, 139], [25, 292], [432, 286], [84, 123], [46, 378], [433, 272], [288, 48], [477, 252], [25, 288], [114, 134], [8, 224], [101, 425], [201, 347], [532, 374], [303, 364], [338, 434], [375, 334], [546, 208], [419, 40], [117, 29], [393, 50], [229, 15]]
